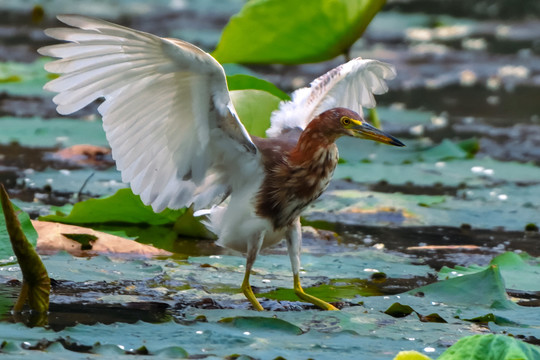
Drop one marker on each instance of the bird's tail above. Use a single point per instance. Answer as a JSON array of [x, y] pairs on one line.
[[214, 218]]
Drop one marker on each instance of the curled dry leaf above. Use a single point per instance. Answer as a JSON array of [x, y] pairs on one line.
[[380, 210], [81, 241], [321, 234], [85, 154]]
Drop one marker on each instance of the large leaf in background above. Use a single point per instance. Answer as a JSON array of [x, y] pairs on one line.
[[254, 108], [295, 31], [490, 347], [254, 99], [122, 207], [518, 274], [244, 81]]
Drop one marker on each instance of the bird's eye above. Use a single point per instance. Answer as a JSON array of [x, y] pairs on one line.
[[345, 121]]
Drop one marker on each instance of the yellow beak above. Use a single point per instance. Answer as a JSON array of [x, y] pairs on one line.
[[364, 130]]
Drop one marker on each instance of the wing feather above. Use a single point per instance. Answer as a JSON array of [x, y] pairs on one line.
[[350, 85], [167, 112]]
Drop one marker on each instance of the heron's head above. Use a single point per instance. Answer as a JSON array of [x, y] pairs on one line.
[[341, 121]]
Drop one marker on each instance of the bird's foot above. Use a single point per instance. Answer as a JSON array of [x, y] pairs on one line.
[[246, 289], [309, 298], [315, 301]]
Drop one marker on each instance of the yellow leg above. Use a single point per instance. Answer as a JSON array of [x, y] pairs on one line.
[[253, 249], [294, 243], [311, 299], [246, 289]]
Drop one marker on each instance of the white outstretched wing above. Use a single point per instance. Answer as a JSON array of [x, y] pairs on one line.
[[350, 85], [167, 113]]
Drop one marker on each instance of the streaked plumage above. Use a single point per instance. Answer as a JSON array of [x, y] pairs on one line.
[[177, 139]]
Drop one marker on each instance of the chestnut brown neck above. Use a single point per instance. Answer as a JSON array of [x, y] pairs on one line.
[[297, 172], [314, 139]]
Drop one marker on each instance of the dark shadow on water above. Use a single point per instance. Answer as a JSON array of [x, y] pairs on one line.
[[66, 315], [61, 316], [451, 246]]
